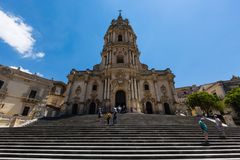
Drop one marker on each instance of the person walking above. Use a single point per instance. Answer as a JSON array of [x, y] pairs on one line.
[[99, 112], [108, 117], [219, 127], [114, 118], [119, 108], [100, 115], [204, 129]]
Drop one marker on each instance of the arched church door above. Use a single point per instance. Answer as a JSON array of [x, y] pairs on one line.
[[149, 108], [92, 108], [75, 108], [167, 108], [120, 99]]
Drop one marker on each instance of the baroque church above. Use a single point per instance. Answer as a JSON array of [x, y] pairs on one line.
[[120, 79]]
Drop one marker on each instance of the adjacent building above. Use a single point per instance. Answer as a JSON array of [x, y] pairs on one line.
[[219, 88], [25, 94]]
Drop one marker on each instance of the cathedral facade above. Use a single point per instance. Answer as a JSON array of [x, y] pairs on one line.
[[120, 79]]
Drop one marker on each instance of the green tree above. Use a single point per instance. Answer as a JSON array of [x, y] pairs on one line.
[[233, 99], [205, 101]]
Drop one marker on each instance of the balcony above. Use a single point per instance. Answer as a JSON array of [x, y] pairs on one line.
[[26, 98]]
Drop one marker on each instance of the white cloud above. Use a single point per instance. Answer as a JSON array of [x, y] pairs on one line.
[[18, 35], [26, 70], [39, 74]]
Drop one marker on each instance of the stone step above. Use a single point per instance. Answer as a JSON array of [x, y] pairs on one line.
[[119, 141], [120, 156], [116, 132], [66, 147], [111, 138], [10, 158], [136, 137], [164, 143], [129, 151]]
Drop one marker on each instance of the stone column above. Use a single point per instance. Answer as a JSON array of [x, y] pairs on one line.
[[133, 58], [108, 87], [85, 94], [135, 88], [127, 58], [156, 90], [125, 39], [114, 40], [132, 88], [130, 57], [105, 88], [138, 85], [110, 61], [108, 55]]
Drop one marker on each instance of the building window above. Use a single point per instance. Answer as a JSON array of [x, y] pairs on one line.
[[25, 111], [120, 59], [146, 87], [120, 38], [1, 83], [58, 90], [32, 94], [105, 59], [94, 88]]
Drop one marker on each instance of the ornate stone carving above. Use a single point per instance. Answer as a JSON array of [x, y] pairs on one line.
[[163, 90], [78, 91], [94, 95]]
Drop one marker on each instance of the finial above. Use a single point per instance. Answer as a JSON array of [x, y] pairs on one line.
[[120, 11]]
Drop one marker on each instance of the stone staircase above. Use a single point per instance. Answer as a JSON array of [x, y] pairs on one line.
[[136, 136]]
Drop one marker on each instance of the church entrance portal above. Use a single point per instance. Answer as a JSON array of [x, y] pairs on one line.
[[92, 108], [167, 108], [149, 108], [75, 108], [120, 99]]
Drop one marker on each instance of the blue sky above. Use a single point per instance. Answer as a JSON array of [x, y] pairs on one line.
[[199, 40]]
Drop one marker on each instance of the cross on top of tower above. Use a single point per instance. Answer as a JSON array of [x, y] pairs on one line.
[[120, 11]]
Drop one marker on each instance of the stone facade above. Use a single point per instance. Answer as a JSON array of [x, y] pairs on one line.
[[120, 79], [219, 88], [55, 99], [24, 94]]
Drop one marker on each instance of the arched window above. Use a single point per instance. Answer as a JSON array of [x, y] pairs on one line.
[[146, 87], [120, 38], [120, 59], [94, 87]]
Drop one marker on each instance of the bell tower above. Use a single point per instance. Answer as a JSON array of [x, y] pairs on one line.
[[120, 48]]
